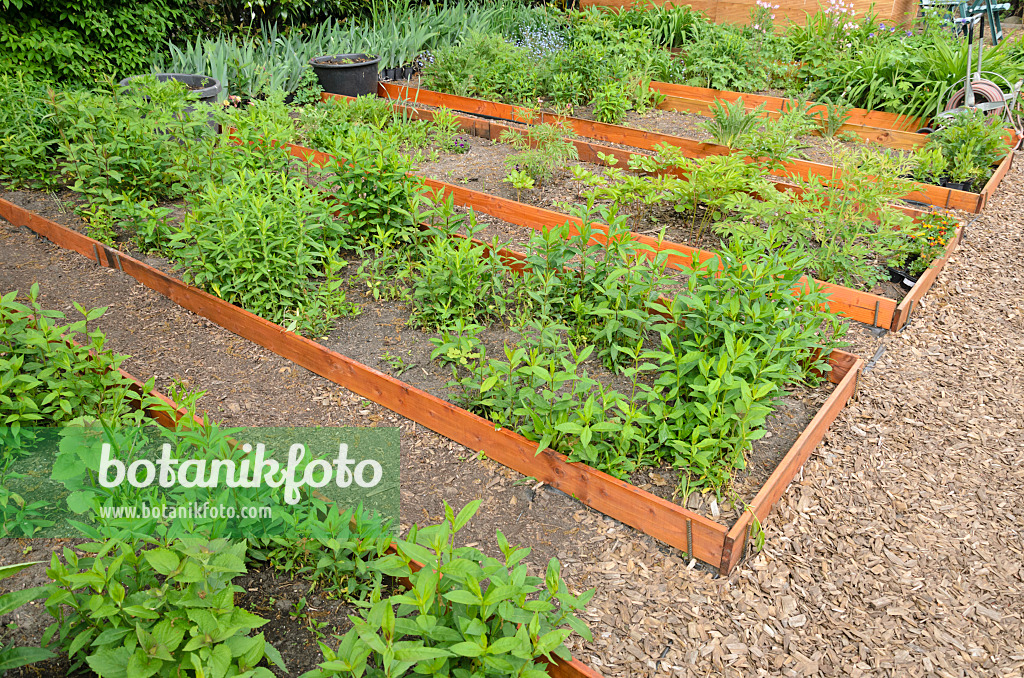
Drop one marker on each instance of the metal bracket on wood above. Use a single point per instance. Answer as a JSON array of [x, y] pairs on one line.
[[689, 538], [875, 321], [96, 253]]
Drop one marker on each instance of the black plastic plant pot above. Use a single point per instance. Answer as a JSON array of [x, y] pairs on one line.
[[347, 74], [959, 185], [902, 278], [202, 88]]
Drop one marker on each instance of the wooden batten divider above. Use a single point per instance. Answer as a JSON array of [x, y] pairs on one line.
[[627, 136], [698, 536]]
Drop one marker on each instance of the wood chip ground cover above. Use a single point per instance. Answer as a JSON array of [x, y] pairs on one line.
[[898, 552]]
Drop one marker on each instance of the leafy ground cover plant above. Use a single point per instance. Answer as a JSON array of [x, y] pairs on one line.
[[128, 612], [465, 613]]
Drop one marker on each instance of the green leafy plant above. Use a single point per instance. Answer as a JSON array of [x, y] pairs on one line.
[[142, 142], [464, 613], [309, 89], [155, 612], [930, 164], [26, 133], [45, 380], [521, 181], [457, 279], [540, 152], [335, 552], [611, 102], [971, 143], [14, 657], [260, 240], [730, 122], [832, 118]]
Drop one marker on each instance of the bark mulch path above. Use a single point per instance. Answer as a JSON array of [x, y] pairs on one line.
[[897, 552]]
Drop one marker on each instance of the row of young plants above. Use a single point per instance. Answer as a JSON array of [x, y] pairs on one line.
[[155, 597]]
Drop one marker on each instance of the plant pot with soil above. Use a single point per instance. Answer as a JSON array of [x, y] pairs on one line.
[[347, 74]]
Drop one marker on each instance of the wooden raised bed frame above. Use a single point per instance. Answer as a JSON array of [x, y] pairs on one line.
[[939, 196], [864, 307], [699, 537]]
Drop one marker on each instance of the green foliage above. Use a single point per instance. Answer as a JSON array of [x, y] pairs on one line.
[[14, 657], [909, 75], [833, 118], [697, 398], [568, 72], [274, 56], [269, 244], [918, 247], [335, 553], [140, 143], [309, 90], [730, 122], [930, 164], [457, 280], [26, 133], [47, 381], [154, 612], [521, 181], [668, 26], [80, 42], [832, 225], [464, 614], [611, 102], [375, 188], [724, 57], [541, 151], [971, 143]]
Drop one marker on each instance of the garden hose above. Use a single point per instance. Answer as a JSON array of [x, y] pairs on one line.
[[984, 90]]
